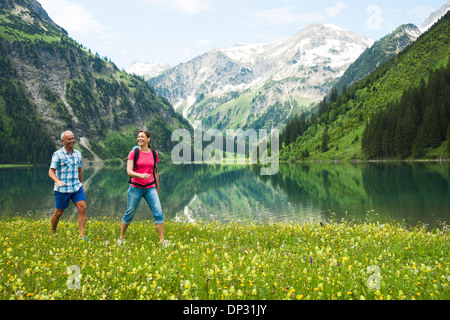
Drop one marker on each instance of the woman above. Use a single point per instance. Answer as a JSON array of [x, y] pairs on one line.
[[144, 183]]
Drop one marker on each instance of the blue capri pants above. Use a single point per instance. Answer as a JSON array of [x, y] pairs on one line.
[[150, 195]]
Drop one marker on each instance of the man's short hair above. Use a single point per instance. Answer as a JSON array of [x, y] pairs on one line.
[[64, 133]]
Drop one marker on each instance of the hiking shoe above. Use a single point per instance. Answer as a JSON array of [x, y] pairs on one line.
[[120, 241]]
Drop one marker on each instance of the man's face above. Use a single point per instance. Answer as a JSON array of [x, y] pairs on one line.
[[69, 140]]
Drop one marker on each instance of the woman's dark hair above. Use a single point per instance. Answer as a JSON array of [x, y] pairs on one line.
[[147, 133]]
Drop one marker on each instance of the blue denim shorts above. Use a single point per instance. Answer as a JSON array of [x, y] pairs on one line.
[[62, 200], [150, 195]]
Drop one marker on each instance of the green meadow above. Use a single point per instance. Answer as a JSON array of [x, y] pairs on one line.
[[339, 260]]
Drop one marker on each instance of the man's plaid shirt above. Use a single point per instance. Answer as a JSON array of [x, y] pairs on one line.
[[66, 166]]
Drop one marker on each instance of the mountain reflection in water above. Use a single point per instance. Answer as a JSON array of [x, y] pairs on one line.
[[415, 193]]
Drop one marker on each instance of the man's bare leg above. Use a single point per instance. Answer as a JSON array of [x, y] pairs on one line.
[[82, 216], [55, 219]]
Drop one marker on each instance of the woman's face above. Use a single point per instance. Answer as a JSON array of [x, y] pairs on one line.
[[142, 139]]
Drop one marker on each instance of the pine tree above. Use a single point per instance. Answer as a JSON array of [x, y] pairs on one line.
[[303, 125], [287, 134], [365, 141], [404, 136], [325, 140], [418, 149], [295, 129], [388, 134], [431, 128], [448, 140], [334, 95]]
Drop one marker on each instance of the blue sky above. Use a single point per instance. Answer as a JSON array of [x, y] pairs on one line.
[[175, 31]]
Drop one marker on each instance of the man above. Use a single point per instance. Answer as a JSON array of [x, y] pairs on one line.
[[65, 171]]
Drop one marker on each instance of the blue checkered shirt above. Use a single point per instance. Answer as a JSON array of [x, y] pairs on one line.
[[66, 166]]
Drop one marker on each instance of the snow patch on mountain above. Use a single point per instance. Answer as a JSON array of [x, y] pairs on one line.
[[245, 53], [293, 73], [434, 17], [147, 70]]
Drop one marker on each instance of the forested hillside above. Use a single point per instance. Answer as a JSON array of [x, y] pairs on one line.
[[419, 120], [49, 83], [381, 51], [335, 129]]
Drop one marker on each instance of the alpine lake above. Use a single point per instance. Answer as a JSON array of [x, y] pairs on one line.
[[416, 193]]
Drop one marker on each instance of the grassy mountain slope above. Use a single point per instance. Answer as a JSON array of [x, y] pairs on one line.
[[381, 51], [344, 118], [50, 83]]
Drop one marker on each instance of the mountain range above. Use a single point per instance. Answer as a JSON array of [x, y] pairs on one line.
[[402, 107], [260, 86], [50, 83], [265, 85]]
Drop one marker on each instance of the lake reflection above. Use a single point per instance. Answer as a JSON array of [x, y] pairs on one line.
[[403, 191]]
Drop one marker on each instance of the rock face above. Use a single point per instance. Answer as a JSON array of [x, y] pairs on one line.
[[261, 86], [28, 7], [51, 83], [434, 17]]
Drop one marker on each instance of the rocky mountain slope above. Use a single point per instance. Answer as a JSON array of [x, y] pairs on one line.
[[417, 78], [49, 83], [434, 17], [387, 47], [261, 86], [380, 52]]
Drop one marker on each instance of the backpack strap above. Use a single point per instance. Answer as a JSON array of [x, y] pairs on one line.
[[136, 157], [155, 168]]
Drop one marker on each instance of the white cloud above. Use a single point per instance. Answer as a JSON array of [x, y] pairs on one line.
[[287, 15], [186, 51], [203, 42], [72, 17], [335, 10], [190, 7], [422, 12]]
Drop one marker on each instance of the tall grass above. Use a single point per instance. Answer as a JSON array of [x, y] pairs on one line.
[[216, 261]]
